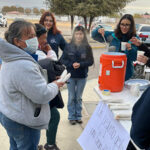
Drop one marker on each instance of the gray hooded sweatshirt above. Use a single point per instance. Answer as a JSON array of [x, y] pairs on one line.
[[23, 88]]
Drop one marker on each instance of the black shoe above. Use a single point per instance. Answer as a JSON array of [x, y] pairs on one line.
[[40, 147], [72, 122], [52, 147], [79, 121]]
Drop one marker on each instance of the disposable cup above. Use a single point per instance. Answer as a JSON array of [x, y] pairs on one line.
[[123, 46], [141, 53]]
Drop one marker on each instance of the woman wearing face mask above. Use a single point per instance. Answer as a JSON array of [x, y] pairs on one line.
[[54, 37], [25, 94], [124, 31]]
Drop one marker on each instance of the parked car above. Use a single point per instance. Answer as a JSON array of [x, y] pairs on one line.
[[143, 31], [3, 21]]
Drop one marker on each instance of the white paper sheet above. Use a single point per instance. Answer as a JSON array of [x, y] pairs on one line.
[[103, 132]]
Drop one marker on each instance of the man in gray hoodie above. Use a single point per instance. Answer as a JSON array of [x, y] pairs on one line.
[[24, 92]]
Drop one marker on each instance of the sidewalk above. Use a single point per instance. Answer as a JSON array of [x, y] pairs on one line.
[[67, 134]]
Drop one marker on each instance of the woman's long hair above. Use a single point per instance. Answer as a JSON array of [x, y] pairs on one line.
[[84, 42], [132, 30], [43, 17]]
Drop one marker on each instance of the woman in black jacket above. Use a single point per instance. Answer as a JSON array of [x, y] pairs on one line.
[[77, 57], [140, 129]]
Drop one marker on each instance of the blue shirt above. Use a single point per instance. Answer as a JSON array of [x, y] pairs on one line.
[[56, 41]]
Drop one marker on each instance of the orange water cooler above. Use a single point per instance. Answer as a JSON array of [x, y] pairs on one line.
[[112, 71]]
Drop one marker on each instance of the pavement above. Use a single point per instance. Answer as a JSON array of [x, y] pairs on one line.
[[67, 134]]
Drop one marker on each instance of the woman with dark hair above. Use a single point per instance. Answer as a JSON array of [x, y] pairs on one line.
[[54, 69], [124, 31], [25, 93], [77, 57], [44, 49], [54, 37]]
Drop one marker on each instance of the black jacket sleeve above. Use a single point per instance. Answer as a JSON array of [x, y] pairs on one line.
[[62, 43], [48, 65], [65, 58], [144, 48], [140, 130]]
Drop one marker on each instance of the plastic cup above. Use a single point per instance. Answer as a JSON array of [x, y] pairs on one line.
[[123, 46], [141, 53], [135, 89]]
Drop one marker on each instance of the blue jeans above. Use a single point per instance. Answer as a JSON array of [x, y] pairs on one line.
[[75, 90], [21, 137]]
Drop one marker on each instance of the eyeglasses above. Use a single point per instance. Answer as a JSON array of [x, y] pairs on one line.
[[46, 20], [125, 25]]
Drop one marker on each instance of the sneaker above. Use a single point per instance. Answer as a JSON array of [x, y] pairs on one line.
[[72, 122], [52, 147], [79, 121], [40, 147]]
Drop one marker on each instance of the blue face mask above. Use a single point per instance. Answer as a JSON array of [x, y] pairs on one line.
[[32, 45]]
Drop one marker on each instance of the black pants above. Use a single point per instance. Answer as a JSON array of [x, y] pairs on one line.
[[130, 146]]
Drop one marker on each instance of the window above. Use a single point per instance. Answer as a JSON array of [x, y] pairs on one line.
[[145, 29]]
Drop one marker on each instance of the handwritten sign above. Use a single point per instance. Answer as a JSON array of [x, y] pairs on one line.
[[103, 132]]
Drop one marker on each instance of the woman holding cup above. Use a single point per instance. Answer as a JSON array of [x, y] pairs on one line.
[[120, 40], [145, 57]]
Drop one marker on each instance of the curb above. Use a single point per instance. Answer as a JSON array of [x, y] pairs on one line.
[[96, 47]]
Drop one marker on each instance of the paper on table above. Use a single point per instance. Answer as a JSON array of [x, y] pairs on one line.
[[119, 104], [123, 115], [119, 107], [113, 100], [103, 132]]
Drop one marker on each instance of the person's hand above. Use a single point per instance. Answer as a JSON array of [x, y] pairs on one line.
[[128, 46], [59, 84], [57, 77], [76, 65], [46, 47], [101, 31], [136, 41], [142, 58]]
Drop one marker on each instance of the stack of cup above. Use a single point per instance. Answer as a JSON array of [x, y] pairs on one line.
[[140, 53], [135, 89]]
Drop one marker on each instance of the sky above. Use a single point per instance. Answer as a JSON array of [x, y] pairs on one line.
[[138, 6]]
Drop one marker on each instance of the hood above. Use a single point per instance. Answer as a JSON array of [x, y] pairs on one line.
[[9, 52]]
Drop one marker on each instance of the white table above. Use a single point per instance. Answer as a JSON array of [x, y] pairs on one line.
[[126, 96]]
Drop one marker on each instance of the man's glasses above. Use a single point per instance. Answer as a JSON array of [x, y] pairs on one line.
[[125, 25]]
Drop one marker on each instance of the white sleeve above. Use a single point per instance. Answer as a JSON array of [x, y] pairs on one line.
[[52, 55], [41, 55]]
